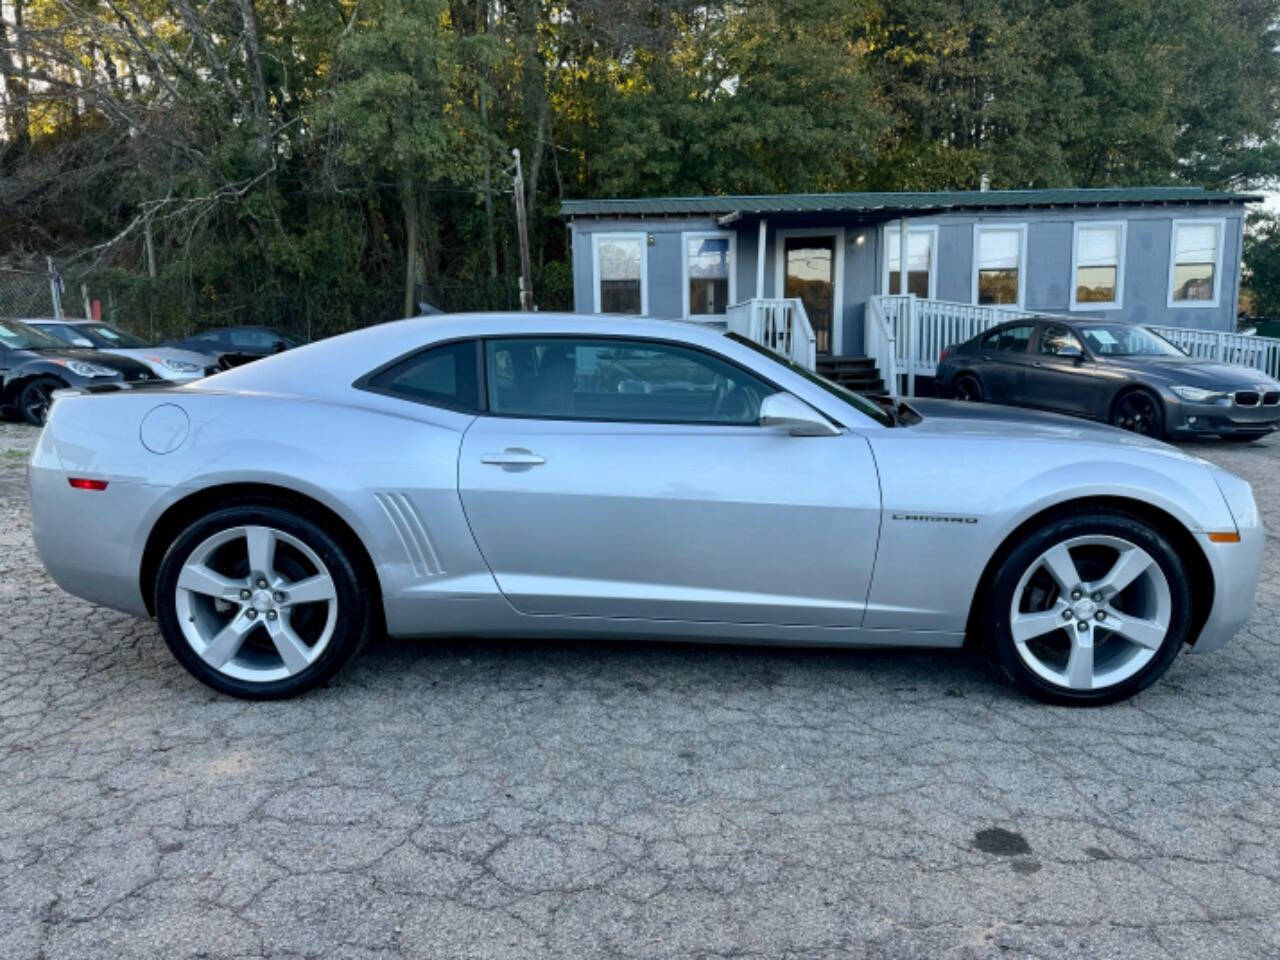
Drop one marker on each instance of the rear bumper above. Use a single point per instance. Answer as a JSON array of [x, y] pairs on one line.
[[89, 540]]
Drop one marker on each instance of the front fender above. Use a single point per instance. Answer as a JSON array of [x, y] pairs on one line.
[[950, 502]]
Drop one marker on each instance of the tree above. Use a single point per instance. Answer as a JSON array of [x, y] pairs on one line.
[[398, 110], [1261, 281]]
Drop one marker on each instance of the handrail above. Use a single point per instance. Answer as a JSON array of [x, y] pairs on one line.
[[779, 323], [882, 345], [921, 329]]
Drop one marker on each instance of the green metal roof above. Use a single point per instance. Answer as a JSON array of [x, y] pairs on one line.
[[889, 203]]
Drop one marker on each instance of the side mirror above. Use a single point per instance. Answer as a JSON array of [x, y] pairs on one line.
[[795, 416], [1070, 353]]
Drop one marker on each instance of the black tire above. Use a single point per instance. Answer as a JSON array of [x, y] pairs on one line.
[[994, 616], [969, 388], [1243, 437], [354, 619], [35, 397], [1139, 411]]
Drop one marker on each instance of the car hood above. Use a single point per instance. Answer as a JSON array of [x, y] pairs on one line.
[[957, 418], [1195, 372], [111, 361]]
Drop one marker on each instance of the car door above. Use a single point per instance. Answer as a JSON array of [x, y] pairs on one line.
[[630, 478], [1004, 353], [1062, 376]]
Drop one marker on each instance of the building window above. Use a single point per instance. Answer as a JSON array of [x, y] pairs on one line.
[[1195, 263], [620, 261], [710, 265], [1097, 266], [998, 264], [922, 244]]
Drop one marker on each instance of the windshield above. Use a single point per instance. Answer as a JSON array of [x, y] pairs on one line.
[[18, 336], [857, 401], [1124, 340], [103, 335]]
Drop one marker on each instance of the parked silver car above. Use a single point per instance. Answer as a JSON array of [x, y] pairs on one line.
[[169, 363], [548, 475]]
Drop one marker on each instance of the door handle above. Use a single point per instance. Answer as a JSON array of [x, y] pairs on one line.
[[1037, 363], [513, 457]]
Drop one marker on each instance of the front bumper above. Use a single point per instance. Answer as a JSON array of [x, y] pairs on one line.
[[1236, 566], [1186, 419]]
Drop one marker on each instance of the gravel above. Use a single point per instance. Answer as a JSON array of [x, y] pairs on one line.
[[494, 799]]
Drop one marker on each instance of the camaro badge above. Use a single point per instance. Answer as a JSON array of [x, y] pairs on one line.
[[933, 518]]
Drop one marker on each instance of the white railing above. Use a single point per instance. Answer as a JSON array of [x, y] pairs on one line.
[[882, 340], [1262, 353], [780, 324], [921, 329]]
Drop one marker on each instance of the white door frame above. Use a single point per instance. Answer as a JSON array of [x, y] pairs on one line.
[[837, 288]]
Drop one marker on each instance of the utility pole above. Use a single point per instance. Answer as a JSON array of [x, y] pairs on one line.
[[55, 288], [522, 229]]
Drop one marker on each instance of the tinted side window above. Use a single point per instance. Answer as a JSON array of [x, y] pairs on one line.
[[263, 339], [61, 331], [1054, 338], [1009, 339], [605, 379], [441, 376]]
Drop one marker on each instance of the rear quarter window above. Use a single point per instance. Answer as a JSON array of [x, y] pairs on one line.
[[443, 376]]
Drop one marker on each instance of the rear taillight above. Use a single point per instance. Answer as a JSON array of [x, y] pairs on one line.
[[943, 355], [87, 483]]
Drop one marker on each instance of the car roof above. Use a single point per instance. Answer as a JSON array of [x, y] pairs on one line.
[[332, 364]]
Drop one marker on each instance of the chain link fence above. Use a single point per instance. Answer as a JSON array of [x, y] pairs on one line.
[[26, 293]]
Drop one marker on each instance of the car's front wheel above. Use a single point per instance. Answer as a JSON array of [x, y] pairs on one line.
[[36, 397], [1089, 609], [261, 602]]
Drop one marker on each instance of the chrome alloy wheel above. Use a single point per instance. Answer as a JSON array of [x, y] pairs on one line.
[[1090, 612], [256, 603]]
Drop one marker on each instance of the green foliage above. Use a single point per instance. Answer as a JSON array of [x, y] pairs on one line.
[[1261, 286], [314, 165]]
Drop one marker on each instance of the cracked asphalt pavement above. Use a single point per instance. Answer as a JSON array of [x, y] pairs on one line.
[[497, 799]]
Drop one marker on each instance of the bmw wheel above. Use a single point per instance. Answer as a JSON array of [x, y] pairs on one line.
[[1139, 412], [260, 602], [1089, 609], [36, 397]]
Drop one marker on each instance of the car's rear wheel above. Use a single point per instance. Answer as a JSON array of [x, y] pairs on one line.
[[1089, 609], [1139, 412], [36, 397], [260, 602], [967, 387]]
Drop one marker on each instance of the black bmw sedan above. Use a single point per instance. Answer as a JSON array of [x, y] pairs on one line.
[[33, 365], [1117, 373]]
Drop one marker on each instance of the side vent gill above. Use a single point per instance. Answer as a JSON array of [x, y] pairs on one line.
[[412, 530]]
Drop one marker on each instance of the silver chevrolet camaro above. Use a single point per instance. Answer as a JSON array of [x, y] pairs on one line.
[[546, 475]]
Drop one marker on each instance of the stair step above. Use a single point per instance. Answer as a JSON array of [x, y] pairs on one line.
[[846, 363], [858, 374]]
